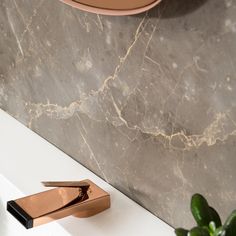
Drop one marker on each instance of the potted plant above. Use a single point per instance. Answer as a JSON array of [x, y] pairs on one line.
[[208, 220]]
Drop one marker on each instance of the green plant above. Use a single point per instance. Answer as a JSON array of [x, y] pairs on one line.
[[208, 220]]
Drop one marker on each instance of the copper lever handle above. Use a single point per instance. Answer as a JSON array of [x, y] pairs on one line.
[[65, 184], [78, 198]]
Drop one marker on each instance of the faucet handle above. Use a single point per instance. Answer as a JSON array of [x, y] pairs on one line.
[[79, 184]]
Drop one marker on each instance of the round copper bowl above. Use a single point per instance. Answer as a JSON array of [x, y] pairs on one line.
[[113, 7]]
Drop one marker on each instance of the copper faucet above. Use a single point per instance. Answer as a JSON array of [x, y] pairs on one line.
[[81, 199]]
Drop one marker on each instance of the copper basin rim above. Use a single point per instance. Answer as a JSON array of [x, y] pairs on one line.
[[113, 7]]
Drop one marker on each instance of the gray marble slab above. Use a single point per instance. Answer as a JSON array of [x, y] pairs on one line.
[[147, 102]]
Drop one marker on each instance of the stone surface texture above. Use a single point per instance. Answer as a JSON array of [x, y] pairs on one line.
[[148, 102]]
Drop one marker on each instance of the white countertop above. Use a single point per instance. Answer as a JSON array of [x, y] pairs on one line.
[[26, 159]]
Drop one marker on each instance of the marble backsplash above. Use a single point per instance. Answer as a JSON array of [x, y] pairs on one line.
[[147, 102]]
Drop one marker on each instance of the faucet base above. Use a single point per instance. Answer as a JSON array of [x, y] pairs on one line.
[[100, 203]]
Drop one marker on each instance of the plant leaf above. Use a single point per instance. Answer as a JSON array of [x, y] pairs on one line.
[[181, 232], [215, 217], [230, 225], [200, 210], [212, 227], [198, 231], [219, 232]]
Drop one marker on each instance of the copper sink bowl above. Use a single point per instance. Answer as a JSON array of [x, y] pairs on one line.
[[113, 7]]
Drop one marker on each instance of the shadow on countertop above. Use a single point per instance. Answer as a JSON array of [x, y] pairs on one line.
[[3, 225], [208, 16], [175, 8]]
